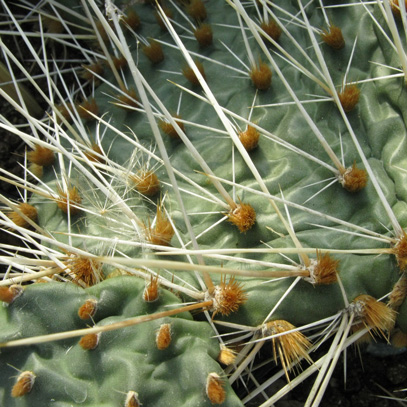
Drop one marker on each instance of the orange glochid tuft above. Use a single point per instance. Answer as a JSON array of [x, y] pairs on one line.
[[24, 384], [249, 138], [26, 209], [89, 341], [272, 29], [349, 97], [243, 216], [189, 73], [95, 154], [323, 270], [226, 356], [169, 129], [119, 62], [82, 269], [162, 233], [129, 99], [215, 389], [69, 201], [89, 71], [163, 337], [333, 37], [400, 251], [42, 156], [260, 75], [203, 34], [375, 315], [398, 293], [88, 309], [88, 108], [197, 10], [151, 292], [132, 399], [146, 182], [102, 31], [65, 111], [354, 179], [52, 24], [395, 7], [131, 19], [168, 12], [291, 347], [9, 294], [228, 297], [154, 52]]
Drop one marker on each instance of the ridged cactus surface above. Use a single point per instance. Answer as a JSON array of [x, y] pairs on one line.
[[125, 360]]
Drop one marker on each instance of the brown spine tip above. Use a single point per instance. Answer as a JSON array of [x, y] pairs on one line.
[[151, 292], [349, 97], [290, 347], [9, 294], [154, 52], [132, 399], [88, 309], [260, 75], [354, 179], [333, 37], [197, 10], [24, 384], [26, 209], [243, 216], [69, 201], [323, 270], [169, 129], [215, 389], [162, 233], [374, 314], [189, 73], [227, 297], [146, 182], [163, 337], [203, 34], [42, 156], [87, 108], [400, 251], [89, 341], [272, 29], [249, 138]]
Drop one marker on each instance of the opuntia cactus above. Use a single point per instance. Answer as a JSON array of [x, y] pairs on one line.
[[250, 157]]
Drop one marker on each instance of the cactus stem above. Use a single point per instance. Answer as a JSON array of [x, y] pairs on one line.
[[105, 328]]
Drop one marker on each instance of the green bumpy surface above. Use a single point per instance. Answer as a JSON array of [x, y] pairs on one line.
[[124, 360], [378, 121]]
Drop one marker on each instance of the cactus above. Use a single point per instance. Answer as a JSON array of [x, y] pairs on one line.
[[140, 359], [250, 157]]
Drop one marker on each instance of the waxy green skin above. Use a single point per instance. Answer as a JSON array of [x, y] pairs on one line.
[[124, 360], [376, 120], [379, 122]]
